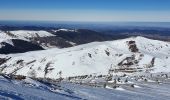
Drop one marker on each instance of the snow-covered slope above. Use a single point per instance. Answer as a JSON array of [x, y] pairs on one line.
[[130, 56], [30, 89], [23, 34], [4, 36], [7, 38], [30, 34]]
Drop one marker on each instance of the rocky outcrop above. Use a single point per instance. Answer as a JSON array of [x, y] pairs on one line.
[[132, 46]]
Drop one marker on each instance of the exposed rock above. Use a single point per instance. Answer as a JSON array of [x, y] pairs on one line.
[[132, 46], [89, 55], [107, 52], [3, 60]]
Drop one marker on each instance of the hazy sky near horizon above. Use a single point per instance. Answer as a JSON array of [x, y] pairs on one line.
[[86, 10]]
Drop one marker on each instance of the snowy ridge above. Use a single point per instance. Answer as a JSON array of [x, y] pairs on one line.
[[30, 34], [131, 55], [22, 34], [6, 37], [65, 30]]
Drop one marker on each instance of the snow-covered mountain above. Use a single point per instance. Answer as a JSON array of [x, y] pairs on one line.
[[20, 41], [60, 38], [23, 34], [130, 56]]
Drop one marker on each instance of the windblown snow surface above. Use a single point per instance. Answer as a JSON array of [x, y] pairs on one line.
[[29, 89]]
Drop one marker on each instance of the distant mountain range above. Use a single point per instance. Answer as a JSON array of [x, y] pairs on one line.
[[19, 41], [39, 38]]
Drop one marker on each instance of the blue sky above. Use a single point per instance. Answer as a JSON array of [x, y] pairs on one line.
[[86, 10]]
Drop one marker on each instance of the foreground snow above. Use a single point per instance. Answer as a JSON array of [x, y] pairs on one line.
[[29, 89]]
